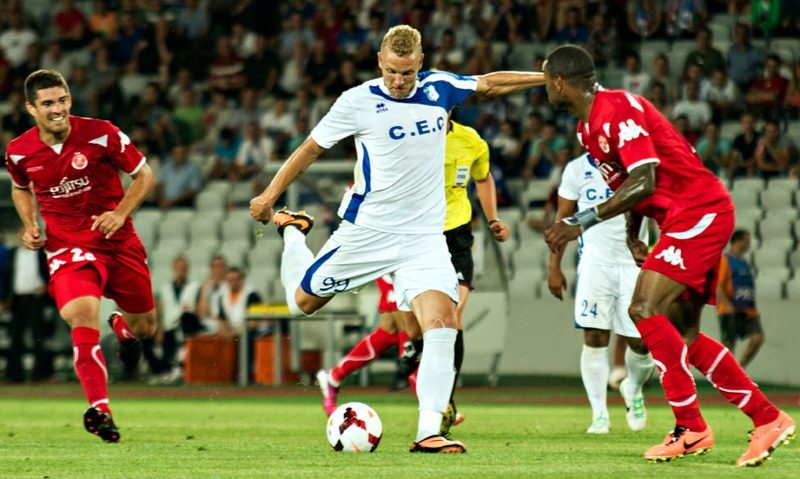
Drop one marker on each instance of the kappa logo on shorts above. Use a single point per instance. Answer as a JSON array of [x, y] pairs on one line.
[[672, 255]]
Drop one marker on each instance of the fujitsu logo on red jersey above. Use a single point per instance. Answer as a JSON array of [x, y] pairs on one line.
[[629, 130], [69, 187]]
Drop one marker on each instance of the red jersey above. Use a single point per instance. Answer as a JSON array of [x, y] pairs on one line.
[[76, 180], [625, 131]]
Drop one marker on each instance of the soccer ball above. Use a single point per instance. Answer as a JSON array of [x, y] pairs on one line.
[[354, 427]]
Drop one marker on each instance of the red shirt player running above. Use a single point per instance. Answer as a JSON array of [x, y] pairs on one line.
[[71, 165], [655, 172]]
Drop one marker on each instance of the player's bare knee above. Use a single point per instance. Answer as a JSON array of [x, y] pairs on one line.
[[637, 346], [640, 310]]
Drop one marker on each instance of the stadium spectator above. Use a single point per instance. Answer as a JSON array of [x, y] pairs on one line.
[[129, 41], [635, 79], [658, 97], [320, 69], [603, 42], [766, 95], [103, 22], [541, 157], [71, 27], [736, 306], [606, 278], [210, 294], [176, 304], [236, 296], [192, 20], [574, 30], [670, 292], [681, 123], [278, 122], [682, 18], [481, 59], [226, 71], [243, 40], [350, 36], [745, 60], [15, 40], [25, 278], [346, 78], [55, 59], [108, 99], [16, 121], [743, 160], [188, 117], [149, 110], [254, 153], [643, 17], [179, 180], [183, 82], [766, 16], [697, 111], [723, 96], [661, 73], [220, 113], [705, 55], [82, 91], [294, 32], [247, 111], [694, 74], [290, 80], [263, 66], [792, 101], [774, 153], [88, 227], [714, 151], [226, 148], [447, 55]]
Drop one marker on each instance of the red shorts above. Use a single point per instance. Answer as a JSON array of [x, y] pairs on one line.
[[121, 275], [690, 251], [386, 303]]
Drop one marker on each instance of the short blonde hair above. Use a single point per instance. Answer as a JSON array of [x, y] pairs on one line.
[[402, 40]]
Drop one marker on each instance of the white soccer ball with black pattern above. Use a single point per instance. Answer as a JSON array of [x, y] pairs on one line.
[[354, 427]]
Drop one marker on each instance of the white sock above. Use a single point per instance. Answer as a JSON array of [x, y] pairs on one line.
[[435, 379], [639, 367], [594, 373], [295, 260]]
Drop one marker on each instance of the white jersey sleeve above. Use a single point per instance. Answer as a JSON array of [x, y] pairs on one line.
[[340, 122]]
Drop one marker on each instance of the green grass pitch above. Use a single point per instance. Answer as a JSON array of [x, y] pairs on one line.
[[260, 432]]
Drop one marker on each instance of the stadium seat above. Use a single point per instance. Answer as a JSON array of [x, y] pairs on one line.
[[241, 194], [787, 214], [749, 184], [172, 230], [511, 216], [222, 187], [794, 259], [748, 218], [774, 228], [650, 50], [236, 227], [261, 280], [537, 191], [775, 199], [210, 200], [768, 288], [611, 77], [793, 289], [721, 31], [788, 48], [786, 184], [793, 132], [263, 257], [769, 258], [743, 198], [204, 230], [147, 233], [235, 251], [184, 215], [678, 53], [730, 129]]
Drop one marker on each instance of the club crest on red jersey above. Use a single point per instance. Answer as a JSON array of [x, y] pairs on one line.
[[603, 142], [79, 161]]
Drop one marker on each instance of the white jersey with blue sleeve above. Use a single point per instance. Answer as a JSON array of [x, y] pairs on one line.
[[400, 145], [603, 243]]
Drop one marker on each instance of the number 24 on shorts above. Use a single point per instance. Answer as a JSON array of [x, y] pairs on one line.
[[586, 310]]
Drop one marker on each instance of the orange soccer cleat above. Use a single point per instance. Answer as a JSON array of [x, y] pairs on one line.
[[300, 219], [680, 442], [438, 445], [766, 439]]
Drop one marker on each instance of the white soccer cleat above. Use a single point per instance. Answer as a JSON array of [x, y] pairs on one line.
[[635, 412], [600, 425]]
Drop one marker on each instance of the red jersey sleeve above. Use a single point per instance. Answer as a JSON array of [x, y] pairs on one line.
[[18, 176], [123, 154], [629, 131]]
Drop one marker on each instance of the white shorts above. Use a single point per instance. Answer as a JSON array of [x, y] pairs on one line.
[[603, 295], [355, 256]]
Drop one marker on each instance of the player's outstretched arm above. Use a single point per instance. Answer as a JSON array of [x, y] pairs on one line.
[[298, 162], [25, 204], [142, 185], [505, 82]]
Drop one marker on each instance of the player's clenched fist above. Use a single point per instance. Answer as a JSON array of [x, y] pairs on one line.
[[260, 209]]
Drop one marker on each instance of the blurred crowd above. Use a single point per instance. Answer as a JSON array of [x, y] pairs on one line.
[[219, 99]]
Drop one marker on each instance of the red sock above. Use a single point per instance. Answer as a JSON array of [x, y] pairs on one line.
[[363, 353], [91, 366], [724, 373], [402, 337], [669, 353], [412, 382], [121, 328]]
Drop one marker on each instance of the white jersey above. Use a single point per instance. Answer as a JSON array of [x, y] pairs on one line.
[[400, 145], [603, 243]]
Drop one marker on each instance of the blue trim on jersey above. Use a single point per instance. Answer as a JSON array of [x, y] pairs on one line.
[[306, 282], [590, 160], [358, 198], [439, 93]]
